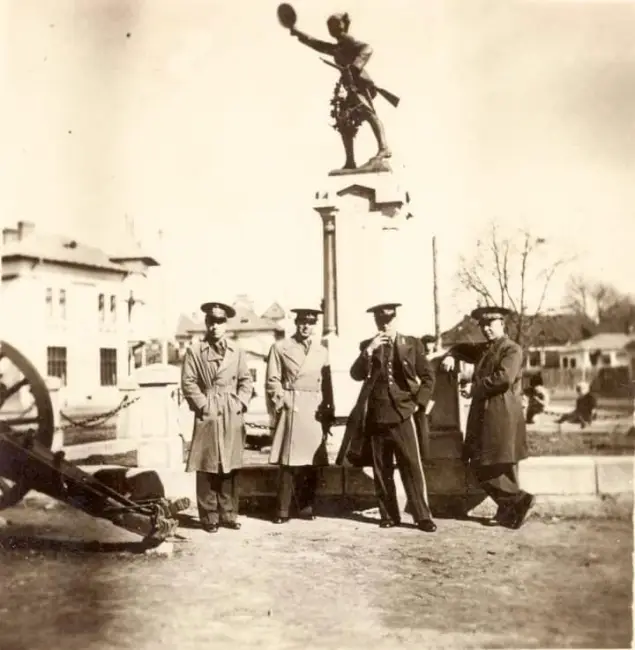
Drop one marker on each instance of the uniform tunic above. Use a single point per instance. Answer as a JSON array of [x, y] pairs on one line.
[[217, 388], [299, 381]]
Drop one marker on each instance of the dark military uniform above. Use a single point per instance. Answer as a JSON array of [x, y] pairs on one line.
[[387, 422]]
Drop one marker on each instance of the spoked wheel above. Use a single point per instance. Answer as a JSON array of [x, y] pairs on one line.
[[25, 409]]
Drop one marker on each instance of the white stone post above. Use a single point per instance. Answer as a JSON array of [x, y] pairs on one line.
[[156, 423], [54, 385], [128, 418]]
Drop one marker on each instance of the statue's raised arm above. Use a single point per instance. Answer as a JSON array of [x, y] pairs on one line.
[[352, 102]]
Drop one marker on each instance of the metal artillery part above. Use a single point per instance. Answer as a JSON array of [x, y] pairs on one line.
[[27, 462]]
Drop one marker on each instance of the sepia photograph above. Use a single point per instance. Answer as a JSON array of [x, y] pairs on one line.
[[317, 324]]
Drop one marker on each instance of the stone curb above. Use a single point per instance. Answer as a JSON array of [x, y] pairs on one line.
[[567, 487]]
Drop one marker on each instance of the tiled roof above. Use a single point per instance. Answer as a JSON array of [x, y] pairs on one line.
[[274, 312], [63, 250]]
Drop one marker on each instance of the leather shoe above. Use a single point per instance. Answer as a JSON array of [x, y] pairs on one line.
[[210, 528], [388, 523], [280, 520], [232, 525], [427, 526], [522, 510]]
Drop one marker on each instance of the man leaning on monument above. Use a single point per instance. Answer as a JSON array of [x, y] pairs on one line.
[[398, 381], [495, 439], [218, 387], [299, 394]]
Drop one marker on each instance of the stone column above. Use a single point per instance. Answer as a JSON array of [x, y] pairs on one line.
[[329, 269]]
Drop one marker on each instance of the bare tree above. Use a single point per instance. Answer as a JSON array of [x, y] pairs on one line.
[[512, 270], [597, 300]]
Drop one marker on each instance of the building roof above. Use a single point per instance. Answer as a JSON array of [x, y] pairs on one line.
[[604, 341], [274, 312], [64, 250]]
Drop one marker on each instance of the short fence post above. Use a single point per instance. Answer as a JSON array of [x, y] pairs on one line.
[[53, 385], [128, 416]]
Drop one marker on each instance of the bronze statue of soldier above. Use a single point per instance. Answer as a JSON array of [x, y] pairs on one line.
[[352, 102]]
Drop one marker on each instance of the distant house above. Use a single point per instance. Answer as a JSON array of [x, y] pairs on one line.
[[74, 310], [605, 350], [255, 334]]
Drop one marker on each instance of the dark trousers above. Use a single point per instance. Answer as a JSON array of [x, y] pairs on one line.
[[398, 442], [216, 497], [500, 482], [296, 485]]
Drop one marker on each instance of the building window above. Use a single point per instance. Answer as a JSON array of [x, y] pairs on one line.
[[606, 359], [56, 363], [108, 366], [49, 302], [113, 309], [565, 362], [102, 307], [572, 363], [63, 304], [254, 374]]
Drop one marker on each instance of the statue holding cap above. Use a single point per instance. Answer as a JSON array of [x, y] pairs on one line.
[[495, 439], [218, 387], [299, 395], [388, 422], [355, 91]]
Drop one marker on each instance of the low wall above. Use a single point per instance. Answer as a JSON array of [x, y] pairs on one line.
[[569, 485]]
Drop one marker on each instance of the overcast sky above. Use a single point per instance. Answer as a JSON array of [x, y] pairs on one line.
[[203, 118]]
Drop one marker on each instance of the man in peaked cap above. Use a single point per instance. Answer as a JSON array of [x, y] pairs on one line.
[[495, 439], [299, 396], [388, 421], [218, 387]]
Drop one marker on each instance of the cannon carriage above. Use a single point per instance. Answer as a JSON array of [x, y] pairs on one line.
[[27, 462]]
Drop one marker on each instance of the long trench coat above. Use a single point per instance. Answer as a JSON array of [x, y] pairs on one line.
[[218, 389], [419, 376], [496, 432], [299, 395]]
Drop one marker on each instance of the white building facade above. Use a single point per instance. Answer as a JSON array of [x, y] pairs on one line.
[[73, 311]]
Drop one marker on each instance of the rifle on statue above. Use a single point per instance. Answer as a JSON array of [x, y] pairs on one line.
[[392, 99]]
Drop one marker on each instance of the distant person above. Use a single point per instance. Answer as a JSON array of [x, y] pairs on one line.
[[496, 438], [585, 406], [299, 393], [431, 347], [217, 386], [537, 398]]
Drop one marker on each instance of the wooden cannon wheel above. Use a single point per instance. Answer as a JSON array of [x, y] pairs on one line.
[[25, 408]]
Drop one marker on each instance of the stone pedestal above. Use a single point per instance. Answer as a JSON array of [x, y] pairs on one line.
[[365, 220], [153, 420]]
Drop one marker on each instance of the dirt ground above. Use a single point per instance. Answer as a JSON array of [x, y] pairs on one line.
[[331, 583]]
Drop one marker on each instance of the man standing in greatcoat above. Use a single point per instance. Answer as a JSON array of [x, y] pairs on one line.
[[495, 439], [218, 387], [300, 396], [398, 381]]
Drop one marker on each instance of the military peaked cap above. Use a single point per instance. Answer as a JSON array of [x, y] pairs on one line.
[[218, 310], [384, 309], [490, 313], [308, 314]]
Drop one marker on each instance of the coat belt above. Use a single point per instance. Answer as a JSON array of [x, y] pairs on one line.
[[289, 386]]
